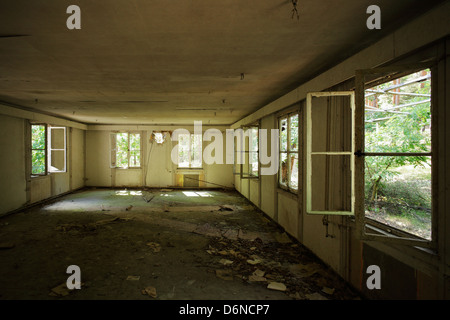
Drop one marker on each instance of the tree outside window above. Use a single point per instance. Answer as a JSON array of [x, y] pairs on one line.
[[127, 152], [38, 149], [190, 150], [288, 171]]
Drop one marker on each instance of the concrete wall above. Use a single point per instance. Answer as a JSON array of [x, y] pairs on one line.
[[18, 189], [157, 169], [12, 164], [407, 272]]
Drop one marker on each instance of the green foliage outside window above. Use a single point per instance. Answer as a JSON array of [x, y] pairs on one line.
[[38, 146]]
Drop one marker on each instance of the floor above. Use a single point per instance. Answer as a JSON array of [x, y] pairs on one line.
[[158, 244]]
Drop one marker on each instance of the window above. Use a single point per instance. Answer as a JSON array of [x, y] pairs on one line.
[[248, 152], [395, 157], [38, 149], [48, 149], [189, 150], [125, 150], [330, 147], [253, 152], [288, 171], [57, 149]]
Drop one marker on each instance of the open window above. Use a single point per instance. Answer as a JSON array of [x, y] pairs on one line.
[[57, 155], [38, 149], [394, 161], [288, 126], [330, 148], [125, 150], [189, 150], [48, 149]]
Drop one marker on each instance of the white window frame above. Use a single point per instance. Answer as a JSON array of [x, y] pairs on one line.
[[310, 154], [114, 150], [364, 230], [50, 148], [191, 139]]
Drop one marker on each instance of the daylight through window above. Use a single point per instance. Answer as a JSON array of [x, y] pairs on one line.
[[288, 172], [190, 151], [398, 153]]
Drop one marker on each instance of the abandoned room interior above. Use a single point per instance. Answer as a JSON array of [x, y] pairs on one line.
[[231, 150]]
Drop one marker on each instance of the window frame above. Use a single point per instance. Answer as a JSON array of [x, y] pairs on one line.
[[246, 171], [287, 115], [50, 148], [46, 171], [310, 153], [379, 231], [113, 140], [191, 136]]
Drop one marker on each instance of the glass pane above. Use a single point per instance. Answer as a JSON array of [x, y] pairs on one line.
[[57, 160], [196, 149], [37, 161], [253, 139], [183, 150], [122, 150], [331, 125], [293, 125], [58, 138], [254, 163], [135, 158], [283, 172], [293, 163], [398, 193], [37, 137], [283, 134], [398, 115], [135, 141], [331, 185]]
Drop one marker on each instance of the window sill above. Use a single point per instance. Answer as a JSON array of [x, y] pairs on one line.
[[38, 177], [287, 193]]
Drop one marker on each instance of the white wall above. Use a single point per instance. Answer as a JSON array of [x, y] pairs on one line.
[[17, 188]]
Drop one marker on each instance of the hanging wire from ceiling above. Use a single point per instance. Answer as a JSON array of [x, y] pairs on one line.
[[294, 9]]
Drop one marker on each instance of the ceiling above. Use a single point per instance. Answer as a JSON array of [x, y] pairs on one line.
[[173, 62]]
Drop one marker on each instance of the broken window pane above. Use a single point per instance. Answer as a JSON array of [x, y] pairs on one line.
[[293, 125], [283, 172], [293, 162], [283, 135]]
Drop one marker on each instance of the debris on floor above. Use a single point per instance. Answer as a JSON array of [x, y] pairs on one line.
[[156, 247], [89, 226], [133, 278], [61, 290], [276, 286], [286, 267], [226, 207], [315, 296], [224, 274], [147, 196], [150, 291]]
